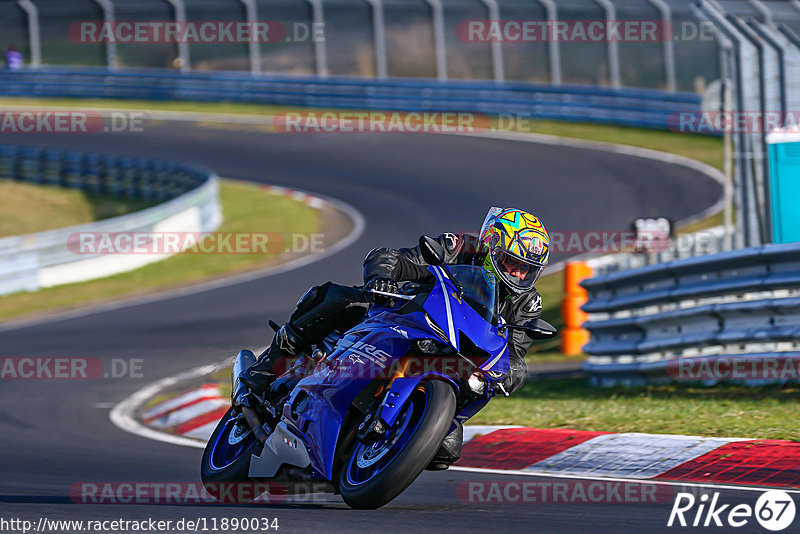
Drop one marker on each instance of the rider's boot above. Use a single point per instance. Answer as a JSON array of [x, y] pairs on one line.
[[285, 347], [450, 451]]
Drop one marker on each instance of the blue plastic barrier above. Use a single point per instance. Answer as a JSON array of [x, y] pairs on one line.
[[633, 107], [153, 181]]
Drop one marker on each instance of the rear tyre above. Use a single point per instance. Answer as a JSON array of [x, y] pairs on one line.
[[375, 473], [226, 458]]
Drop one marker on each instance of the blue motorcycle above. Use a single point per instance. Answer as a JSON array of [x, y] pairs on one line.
[[365, 412]]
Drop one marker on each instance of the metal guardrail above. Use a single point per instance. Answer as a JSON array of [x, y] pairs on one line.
[[189, 203], [743, 304], [633, 107], [708, 241]]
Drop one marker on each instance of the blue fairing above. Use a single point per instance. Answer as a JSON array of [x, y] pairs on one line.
[[370, 349]]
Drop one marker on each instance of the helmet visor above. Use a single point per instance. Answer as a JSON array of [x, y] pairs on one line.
[[517, 272]]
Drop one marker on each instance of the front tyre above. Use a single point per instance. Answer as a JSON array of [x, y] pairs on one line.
[[226, 458], [375, 473]]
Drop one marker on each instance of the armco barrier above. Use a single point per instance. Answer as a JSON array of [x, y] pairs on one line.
[[188, 196], [743, 304], [634, 107]]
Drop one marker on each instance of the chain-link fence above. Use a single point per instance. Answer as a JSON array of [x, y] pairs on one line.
[[521, 39]]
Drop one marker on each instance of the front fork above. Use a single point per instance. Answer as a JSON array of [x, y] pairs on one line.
[[241, 396], [384, 417], [239, 391]]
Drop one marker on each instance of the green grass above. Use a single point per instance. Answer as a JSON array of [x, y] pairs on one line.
[[246, 207], [27, 208], [700, 147], [725, 410], [159, 105]]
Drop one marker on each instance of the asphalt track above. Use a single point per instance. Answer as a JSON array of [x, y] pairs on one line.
[[54, 434]]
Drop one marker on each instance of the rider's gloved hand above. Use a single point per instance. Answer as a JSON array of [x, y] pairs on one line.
[[386, 285]]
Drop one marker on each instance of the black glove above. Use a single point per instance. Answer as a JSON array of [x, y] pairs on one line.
[[387, 285]]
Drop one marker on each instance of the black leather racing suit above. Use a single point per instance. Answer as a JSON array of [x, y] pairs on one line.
[[407, 264]]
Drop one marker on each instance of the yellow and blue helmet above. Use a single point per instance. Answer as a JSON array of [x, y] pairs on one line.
[[517, 247]]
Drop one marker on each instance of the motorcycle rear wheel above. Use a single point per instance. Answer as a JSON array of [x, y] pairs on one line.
[[374, 474]]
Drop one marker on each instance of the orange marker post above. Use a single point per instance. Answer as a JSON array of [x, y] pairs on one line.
[[573, 335]]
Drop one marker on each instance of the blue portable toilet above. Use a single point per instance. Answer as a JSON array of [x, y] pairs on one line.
[[784, 178]]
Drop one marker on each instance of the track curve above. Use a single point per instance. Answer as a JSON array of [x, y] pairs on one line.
[[57, 433]]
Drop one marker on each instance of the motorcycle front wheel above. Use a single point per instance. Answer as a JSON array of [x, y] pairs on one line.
[[375, 473], [226, 459]]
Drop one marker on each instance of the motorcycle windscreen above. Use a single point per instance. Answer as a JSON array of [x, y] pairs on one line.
[[458, 319]]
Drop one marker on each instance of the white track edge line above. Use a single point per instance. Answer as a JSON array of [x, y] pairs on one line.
[[122, 415]]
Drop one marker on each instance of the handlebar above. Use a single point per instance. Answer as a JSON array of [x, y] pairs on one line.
[[385, 294]]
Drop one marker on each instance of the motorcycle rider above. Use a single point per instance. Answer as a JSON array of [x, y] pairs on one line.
[[513, 245]]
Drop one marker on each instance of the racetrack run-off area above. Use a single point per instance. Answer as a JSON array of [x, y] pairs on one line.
[[404, 186], [195, 412]]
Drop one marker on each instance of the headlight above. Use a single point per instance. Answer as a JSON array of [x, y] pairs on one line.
[[427, 346], [476, 383]]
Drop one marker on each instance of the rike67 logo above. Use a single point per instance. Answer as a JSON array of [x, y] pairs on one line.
[[774, 510]]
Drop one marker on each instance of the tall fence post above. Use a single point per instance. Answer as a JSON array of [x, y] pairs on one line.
[[379, 31], [730, 74], [254, 47], [762, 34], [320, 49], [668, 43], [727, 163], [748, 144], [553, 46], [758, 138], [496, 45], [764, 10], [111, 45], [183, 47], [613, 46], [438, 38], [34, 37], [770, 40]]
